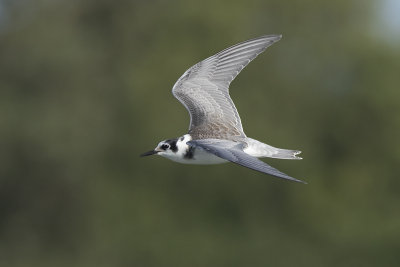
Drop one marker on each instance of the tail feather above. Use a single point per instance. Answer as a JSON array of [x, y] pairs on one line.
[[285, 154], [261, 150]]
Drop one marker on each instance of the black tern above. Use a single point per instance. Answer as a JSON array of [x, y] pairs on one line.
[[215, 133]]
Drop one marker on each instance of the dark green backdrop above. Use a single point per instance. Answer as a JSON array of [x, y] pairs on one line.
[[85, 87]]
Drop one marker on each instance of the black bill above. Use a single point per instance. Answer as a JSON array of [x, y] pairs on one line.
[[149, 153]]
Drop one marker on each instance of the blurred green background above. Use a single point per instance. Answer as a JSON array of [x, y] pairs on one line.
[[85, 87]]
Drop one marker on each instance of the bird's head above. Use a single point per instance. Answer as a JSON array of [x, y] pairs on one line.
[[164, 148]]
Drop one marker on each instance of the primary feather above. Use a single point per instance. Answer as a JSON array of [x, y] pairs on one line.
[[233, 152]]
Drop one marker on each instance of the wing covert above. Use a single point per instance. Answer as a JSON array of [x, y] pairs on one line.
[[204, 90]]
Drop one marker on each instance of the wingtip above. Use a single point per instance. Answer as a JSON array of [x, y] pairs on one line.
[[271, 37], [303, 182], [297, 180], [277, 37]]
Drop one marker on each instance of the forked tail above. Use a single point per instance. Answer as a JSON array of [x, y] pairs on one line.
[[260, 150]]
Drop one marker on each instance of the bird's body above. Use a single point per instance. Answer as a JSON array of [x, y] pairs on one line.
[[215, 133], [188, 154]]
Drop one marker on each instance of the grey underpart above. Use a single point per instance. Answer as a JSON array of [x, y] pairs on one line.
[[233, 151]]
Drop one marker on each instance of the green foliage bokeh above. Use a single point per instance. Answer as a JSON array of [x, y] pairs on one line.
[[85, 87]]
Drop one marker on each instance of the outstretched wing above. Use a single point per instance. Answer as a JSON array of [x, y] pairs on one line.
[[204, 89], [233, 151]]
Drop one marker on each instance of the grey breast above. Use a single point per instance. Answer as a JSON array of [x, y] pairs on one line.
[[204, 90]]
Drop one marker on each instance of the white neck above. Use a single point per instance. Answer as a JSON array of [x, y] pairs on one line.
[[179, 155], [181, 143]]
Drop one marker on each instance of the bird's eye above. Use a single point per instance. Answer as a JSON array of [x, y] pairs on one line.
[[165, 146]]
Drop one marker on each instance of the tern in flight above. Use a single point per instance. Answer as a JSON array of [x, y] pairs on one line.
[[215, 133]]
